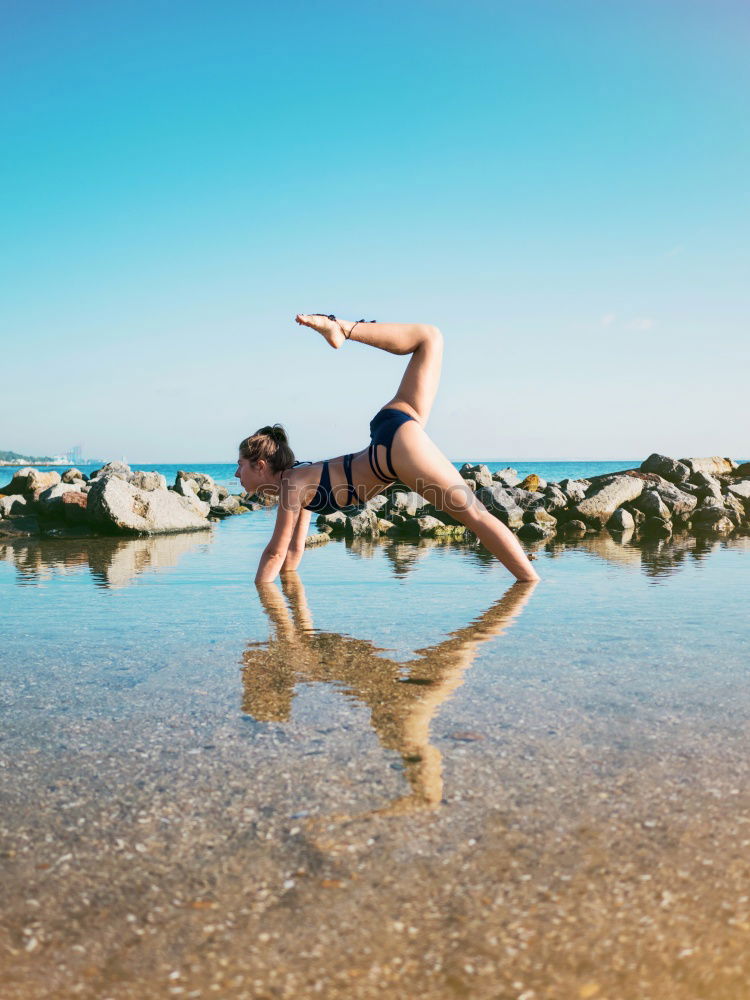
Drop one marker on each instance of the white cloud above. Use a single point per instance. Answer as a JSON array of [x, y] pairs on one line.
[[640, 324], [608, 319]]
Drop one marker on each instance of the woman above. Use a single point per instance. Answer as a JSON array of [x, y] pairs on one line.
[[399, 449]]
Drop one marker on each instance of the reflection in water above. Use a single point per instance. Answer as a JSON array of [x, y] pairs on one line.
[[402, 697], [113, 562], [656, 557]]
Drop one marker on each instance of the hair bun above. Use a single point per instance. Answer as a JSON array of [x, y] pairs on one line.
[[279, 434]]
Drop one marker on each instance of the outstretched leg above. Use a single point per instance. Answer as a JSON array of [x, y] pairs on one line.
[[416, 392], [423, 467]]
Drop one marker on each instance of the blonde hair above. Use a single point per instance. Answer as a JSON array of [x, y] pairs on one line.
[[271, 444]]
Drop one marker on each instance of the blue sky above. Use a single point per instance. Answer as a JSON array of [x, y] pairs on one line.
[[562, 187]]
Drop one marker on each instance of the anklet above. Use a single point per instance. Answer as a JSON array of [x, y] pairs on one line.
[[348, 335]]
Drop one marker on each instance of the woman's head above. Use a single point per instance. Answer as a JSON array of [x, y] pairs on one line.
[[262, 455]]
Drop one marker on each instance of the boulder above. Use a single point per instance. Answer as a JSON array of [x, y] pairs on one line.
[[506, 476], [621, 520], [223, 492], [740, 489], [401, 502], [540, 516], [15, 504], [574, 528], [652, 505], [117, 506], [74, 506], [711, 521], [712, 466], [743, 469], [555, 499], [574, 489], [603, 500], [73, 476], [677, 500], [430, 527], [50, 500], [735, 509], [378, 502], [501, 504], [117, 469], [530, 532], [364, 523], [479, 473], [148, 480], [227, 508], [656, 527], [30, 483], [317, 539], [668, 468], [185, 487], [336, 522], [532, 483], [201, 480]]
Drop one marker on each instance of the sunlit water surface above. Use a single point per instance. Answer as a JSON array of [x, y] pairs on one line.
[[397, 774]]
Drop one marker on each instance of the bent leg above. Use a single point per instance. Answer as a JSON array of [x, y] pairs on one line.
[[423, 467], [416, 393]]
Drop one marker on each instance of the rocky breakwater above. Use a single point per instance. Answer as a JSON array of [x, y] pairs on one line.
[[702, 496], [113, 500]]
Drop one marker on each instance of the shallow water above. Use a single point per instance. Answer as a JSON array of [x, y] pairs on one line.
[[399, 778]]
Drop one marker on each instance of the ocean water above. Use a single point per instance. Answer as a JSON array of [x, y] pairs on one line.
[[394, 775], [223, 473]]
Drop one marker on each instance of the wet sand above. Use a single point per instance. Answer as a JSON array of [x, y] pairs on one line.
[[526, 808]]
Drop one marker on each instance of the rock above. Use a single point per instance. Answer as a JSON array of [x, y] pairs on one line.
[[385, 526], [743, 470], [430, 527], [574, 489], [736, 509], [30, 483], [501, 504], [711, 521], [526, 499], [50, 499], [603, 500], [479, 473], [223, 493], [621, 520], [185, 487], [531, 532], [506, 476], [148, 480], [652, 505], [364, 523], [117, 469], [16, 504], [740, 489], [73, 475], [677, 500], [318, 539], [201, 480], [667, 468], [573, 527], [712, 466], [532, 483], [405, 503], [74, 505], [378, 502], [19, 527], [336, 522], [656, 527], [115, 505], [227, 508], [555, 499], [540, 516]]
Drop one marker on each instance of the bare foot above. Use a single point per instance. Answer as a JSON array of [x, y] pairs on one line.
[[329, 328]]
